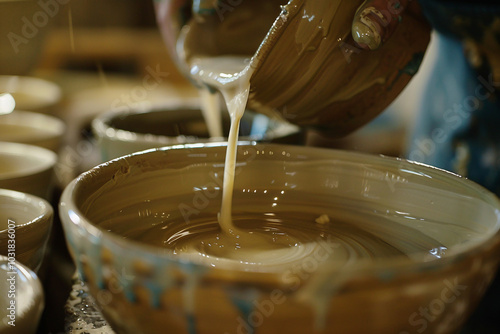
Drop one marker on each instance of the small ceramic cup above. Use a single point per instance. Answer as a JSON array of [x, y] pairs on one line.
[[27, 168], [124, 132], [25, 224], [32, 128], [21, 298]]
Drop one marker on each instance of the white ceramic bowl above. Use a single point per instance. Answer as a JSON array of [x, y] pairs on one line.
[[28, 301], [32, 128], [28, 219], [27, 168], [33, 94]]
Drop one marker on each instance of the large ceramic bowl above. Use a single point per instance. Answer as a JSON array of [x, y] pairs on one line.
[[22, 299], [27, 220], [32, 128], [121, 217], [27, 168], [307, 66], [121, 132]]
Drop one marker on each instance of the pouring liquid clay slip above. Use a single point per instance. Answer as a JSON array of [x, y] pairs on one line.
[[312, 65]]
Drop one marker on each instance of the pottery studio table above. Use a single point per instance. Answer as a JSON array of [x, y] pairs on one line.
[[82, 314]]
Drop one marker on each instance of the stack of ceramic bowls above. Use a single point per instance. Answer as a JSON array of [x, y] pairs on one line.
[[25, 226], [30, 135], [30, 138]]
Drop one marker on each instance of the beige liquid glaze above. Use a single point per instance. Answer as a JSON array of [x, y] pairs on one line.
[[315, 35], [249, 243], [231, 76], [284, 235], [210, 108]]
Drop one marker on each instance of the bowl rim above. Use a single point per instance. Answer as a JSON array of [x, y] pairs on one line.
[[50, 94], [28, 276], [52, 125], [47, 159], [42, 206], [101, 127], [69, 210]]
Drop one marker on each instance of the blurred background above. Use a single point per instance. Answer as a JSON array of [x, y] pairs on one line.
[[100, 52], [106, 55]]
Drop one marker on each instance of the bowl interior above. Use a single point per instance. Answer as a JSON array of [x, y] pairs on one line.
[[18, 160], [28, 219], [188, 122], [21, 209]]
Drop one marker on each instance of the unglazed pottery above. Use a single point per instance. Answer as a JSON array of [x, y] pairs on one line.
[[27, 168], [143, 287], [123, 132], [28, 219], [32, 128], [307, 66], [28, 298]]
